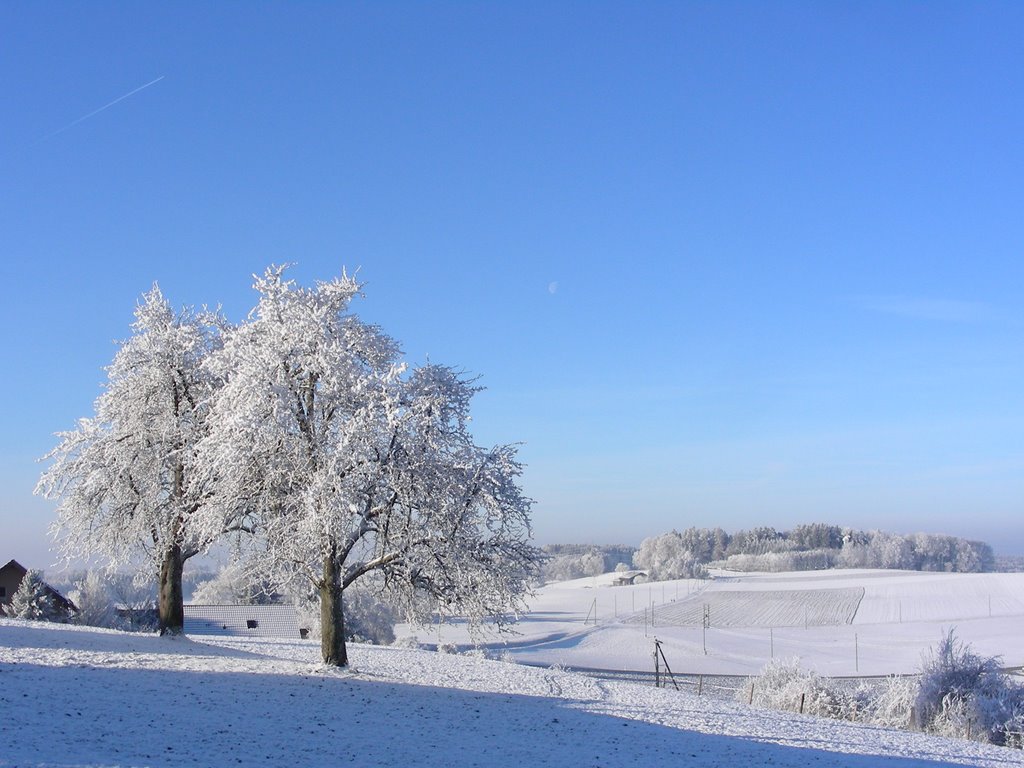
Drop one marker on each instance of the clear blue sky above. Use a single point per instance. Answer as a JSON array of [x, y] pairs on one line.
[[717, 263]]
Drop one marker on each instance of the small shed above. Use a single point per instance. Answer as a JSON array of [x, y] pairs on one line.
[[242, 620]]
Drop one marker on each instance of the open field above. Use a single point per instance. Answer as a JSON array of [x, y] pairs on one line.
[[842, 623], [99, 698]]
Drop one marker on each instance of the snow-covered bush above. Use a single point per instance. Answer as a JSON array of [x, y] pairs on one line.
[[782, 684], [964, 694], [367, 619], [408, 641], [91, 596], [891, 703], [35, 601]]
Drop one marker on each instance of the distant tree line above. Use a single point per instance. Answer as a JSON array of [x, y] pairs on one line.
[[812, 546], [563, 562]]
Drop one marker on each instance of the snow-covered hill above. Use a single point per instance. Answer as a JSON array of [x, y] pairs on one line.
[[80, 697], [837, 622]]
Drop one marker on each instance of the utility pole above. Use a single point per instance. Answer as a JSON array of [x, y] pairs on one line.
[[706, 623]]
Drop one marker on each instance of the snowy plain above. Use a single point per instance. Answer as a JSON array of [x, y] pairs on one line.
[[99, 698], [836, 622]]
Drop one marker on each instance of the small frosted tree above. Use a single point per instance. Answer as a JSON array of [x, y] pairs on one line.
[[123, 478], [35, 601], [92, 598], [235, 584], [348, 464]]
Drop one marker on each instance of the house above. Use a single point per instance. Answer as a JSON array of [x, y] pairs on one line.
[[629, 578], [243, 620], [10, 579]]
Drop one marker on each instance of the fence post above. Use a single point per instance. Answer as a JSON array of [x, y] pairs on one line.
[[750, 698], [657, 671], [802, 695], [700, 684]]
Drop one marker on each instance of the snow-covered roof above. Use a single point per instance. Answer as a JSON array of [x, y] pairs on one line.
[[242, 620]]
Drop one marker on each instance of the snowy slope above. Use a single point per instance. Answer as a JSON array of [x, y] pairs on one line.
[[836, 622], [77, 697]]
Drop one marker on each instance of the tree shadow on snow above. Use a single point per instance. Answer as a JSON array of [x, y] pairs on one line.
[[91, 716], [44, 636]]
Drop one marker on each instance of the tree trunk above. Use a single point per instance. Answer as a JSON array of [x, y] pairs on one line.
[[332, 616], [171, 601]]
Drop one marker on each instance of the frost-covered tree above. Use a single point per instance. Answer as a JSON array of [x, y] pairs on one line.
[[123, 477], [236, 584], [35, 601], [350, 464], [667, 557], [91, 596]]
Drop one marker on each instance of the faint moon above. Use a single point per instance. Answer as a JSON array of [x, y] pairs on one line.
[[553, 287]]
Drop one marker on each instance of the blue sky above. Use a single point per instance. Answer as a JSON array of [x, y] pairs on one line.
[[717, 263]]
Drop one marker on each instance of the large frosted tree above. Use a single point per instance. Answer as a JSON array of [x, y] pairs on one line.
[[123, 477], [347, 464]]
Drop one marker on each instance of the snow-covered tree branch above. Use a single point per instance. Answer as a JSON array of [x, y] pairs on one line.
[[349, 463], [124, 478]]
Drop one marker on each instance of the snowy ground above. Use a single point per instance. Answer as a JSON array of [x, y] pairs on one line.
[[80, 697], [838, 622]]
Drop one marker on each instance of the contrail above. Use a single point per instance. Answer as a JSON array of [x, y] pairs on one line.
[[97, 111]]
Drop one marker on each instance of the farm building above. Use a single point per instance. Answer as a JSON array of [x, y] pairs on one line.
[[243, 620], [629, 578], [10, 579]]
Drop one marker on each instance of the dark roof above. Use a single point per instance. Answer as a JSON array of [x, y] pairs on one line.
[[21, 570], [242, 620]]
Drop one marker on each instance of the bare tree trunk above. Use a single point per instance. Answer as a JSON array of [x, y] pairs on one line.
[[332, 616], [171, 601]]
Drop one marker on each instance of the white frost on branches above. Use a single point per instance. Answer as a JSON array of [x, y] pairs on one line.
[[121, 475], [348, 463]]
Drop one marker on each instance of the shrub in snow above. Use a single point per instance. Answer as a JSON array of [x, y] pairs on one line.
[[449, 648], [95, 608], [408, 641], [891, 703], [964, 694], [367, 619], [34, 601], [782, 683]]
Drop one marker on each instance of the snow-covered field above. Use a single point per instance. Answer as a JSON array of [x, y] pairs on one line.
[[81, 697], [855, 622]]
